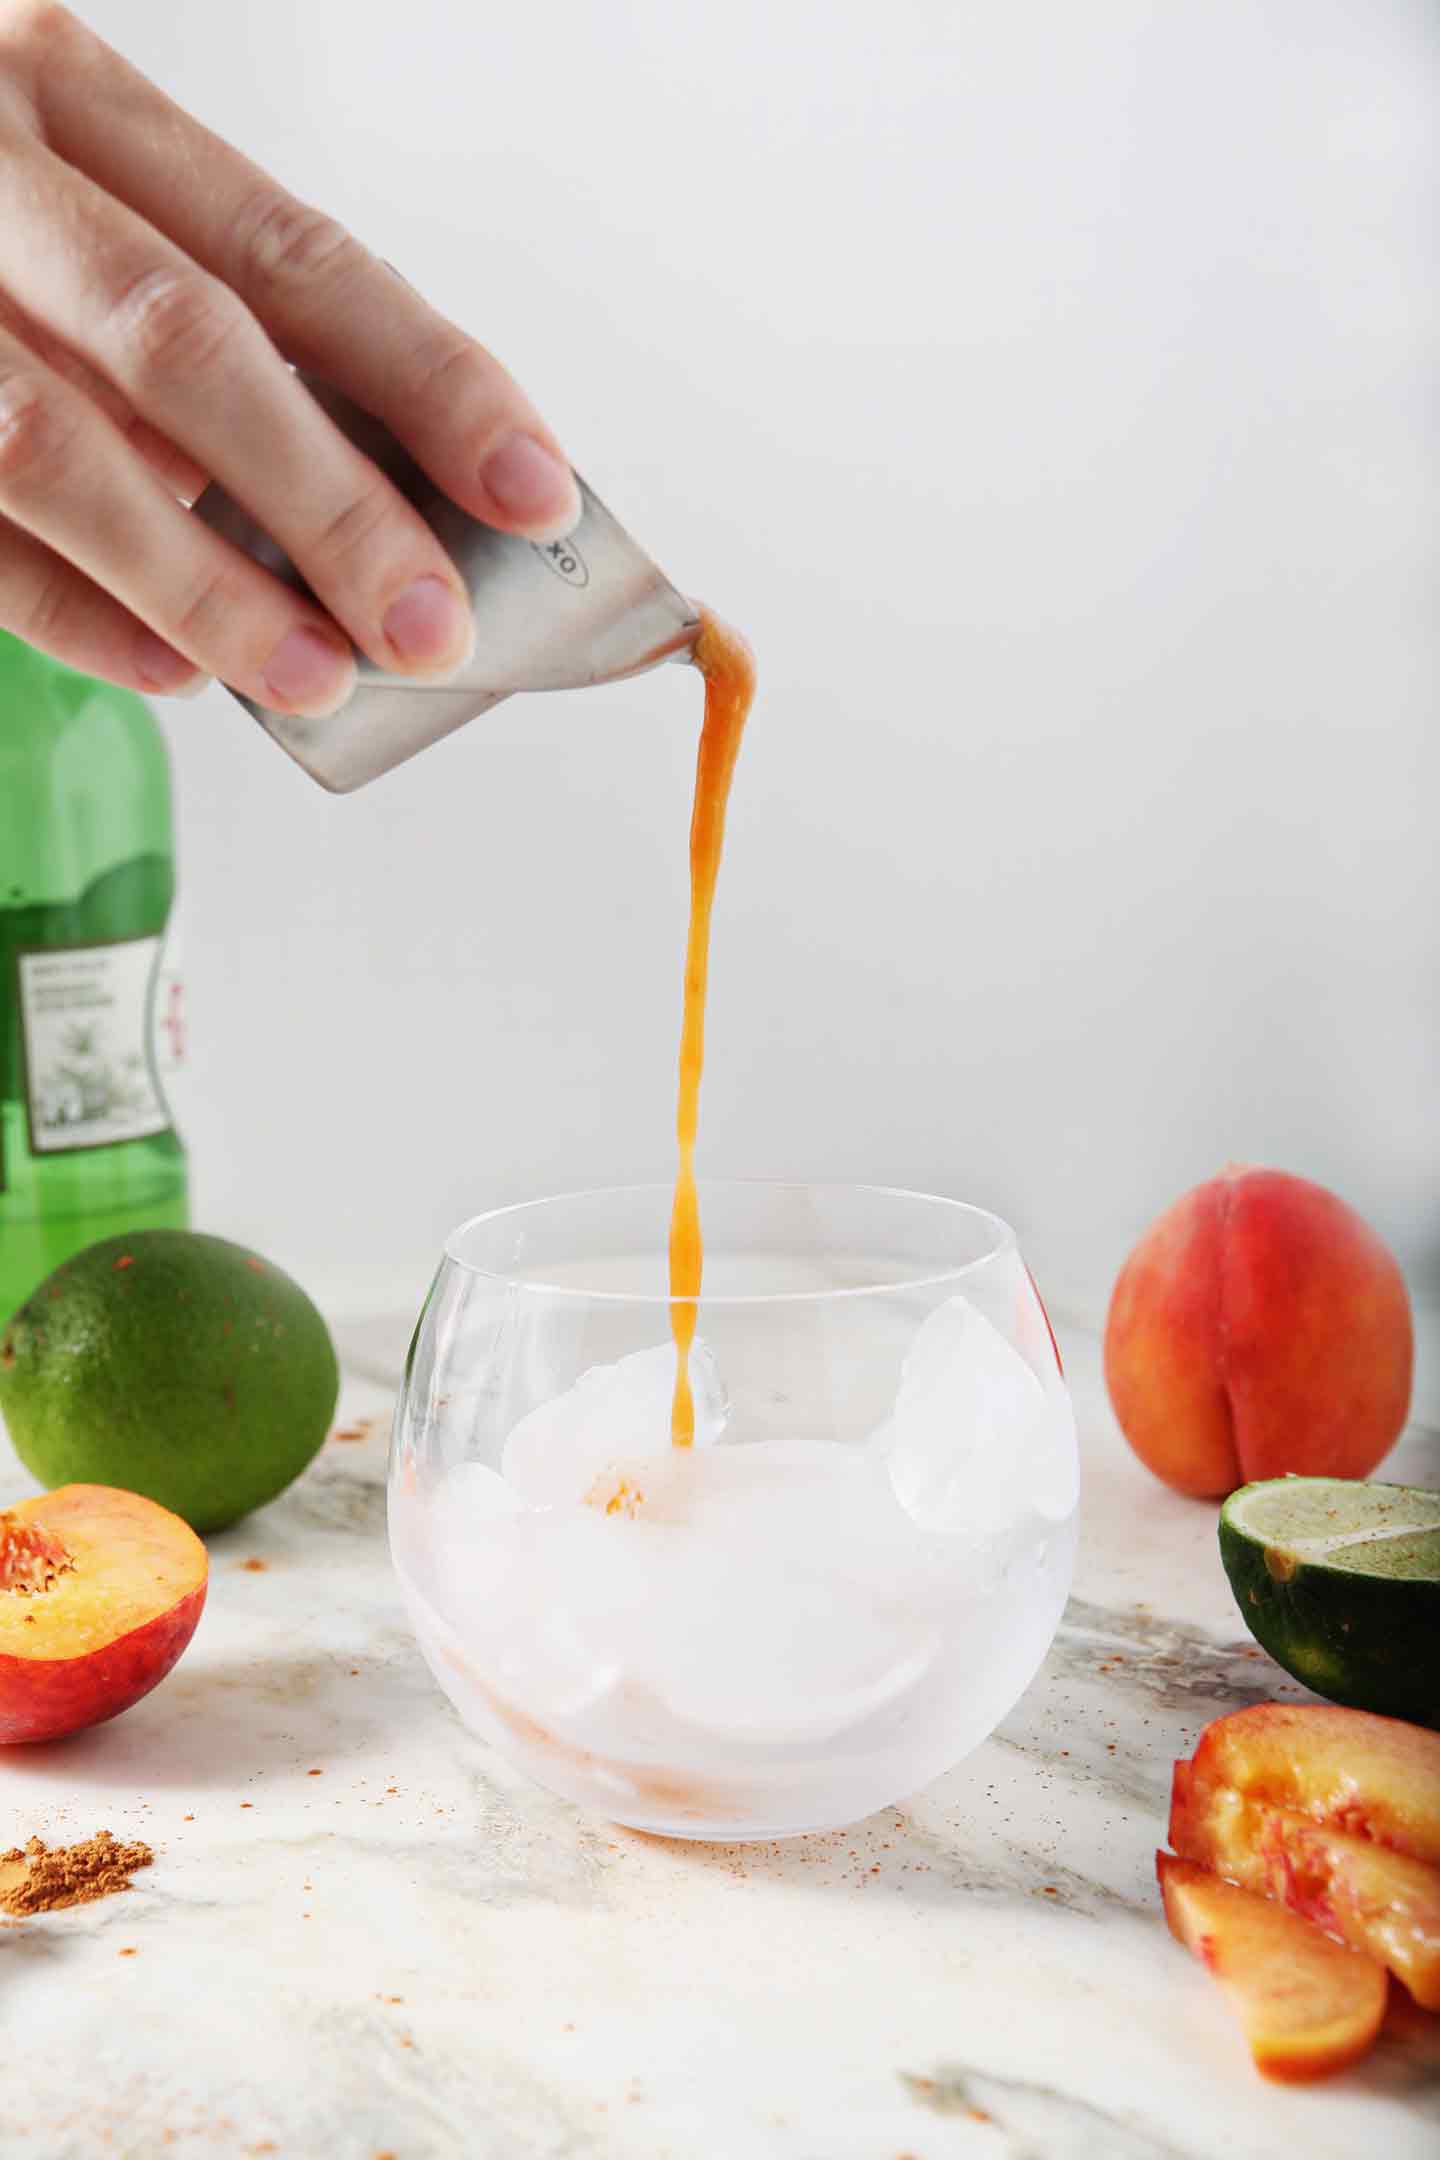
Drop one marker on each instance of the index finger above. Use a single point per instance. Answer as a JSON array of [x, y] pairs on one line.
[[329, 304]]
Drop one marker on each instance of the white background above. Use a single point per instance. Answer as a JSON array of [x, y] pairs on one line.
[[1044, 389]]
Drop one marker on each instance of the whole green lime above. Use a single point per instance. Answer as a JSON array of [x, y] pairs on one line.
[[175, 1365]]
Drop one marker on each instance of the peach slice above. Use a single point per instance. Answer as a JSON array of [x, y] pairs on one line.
[[1308, 2006], [1373, 1777], [1375, 1900], [100, 1591]]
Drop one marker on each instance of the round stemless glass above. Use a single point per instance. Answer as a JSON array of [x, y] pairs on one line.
[[833, 1596]]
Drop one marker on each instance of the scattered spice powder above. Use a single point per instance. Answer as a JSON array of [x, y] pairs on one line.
[[59, 1875], [255, 1566]]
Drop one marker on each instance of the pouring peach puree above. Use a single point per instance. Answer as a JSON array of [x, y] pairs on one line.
[[728, 666]]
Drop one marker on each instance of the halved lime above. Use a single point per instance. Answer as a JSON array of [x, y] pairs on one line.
[[1340, 1581]]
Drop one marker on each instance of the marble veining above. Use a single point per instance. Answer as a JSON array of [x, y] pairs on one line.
[[366, 1936]]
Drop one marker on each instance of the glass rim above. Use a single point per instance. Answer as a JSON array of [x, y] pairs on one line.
[[1003, 1240]]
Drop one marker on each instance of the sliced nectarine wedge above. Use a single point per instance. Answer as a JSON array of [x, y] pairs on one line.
[[1378, 1901], [1375, 1777], [1308, 2006], [100, 1591]]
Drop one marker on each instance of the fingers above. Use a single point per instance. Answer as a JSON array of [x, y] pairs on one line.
[[186, 479], [192, 361], [50, 604], [70, 480], [328, 304]]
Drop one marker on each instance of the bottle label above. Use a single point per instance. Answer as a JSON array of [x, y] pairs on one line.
[[87, 1023], [169, 1024]]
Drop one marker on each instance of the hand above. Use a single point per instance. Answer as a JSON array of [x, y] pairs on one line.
[[153, 285]]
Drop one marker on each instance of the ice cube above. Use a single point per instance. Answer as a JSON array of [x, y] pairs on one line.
[[976, 1442], [773, 1592], [466, 1549], [797, 1604], [519, 1598], [614, 1416], [554, 1649], [475, 1496], [809, 1504], [1055, 1475]]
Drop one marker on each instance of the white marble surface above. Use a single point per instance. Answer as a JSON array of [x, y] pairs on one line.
[[364, 1936]]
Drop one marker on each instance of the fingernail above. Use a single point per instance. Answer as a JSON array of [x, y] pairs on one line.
[[534, 487], [164, 670], [192, 689], [428, 623], [311, 670]]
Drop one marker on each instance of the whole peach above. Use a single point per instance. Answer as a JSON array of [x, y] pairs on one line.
[[1259, 1327]]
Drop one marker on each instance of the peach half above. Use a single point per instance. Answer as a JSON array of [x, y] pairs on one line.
[[100, 1591]]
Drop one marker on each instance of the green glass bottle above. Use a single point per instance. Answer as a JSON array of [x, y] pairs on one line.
[[90, 1018]]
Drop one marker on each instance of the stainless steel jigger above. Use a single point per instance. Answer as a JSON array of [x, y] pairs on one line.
[[589, 609]]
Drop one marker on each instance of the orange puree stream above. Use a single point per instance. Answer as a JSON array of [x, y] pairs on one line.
[[728, 666]]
